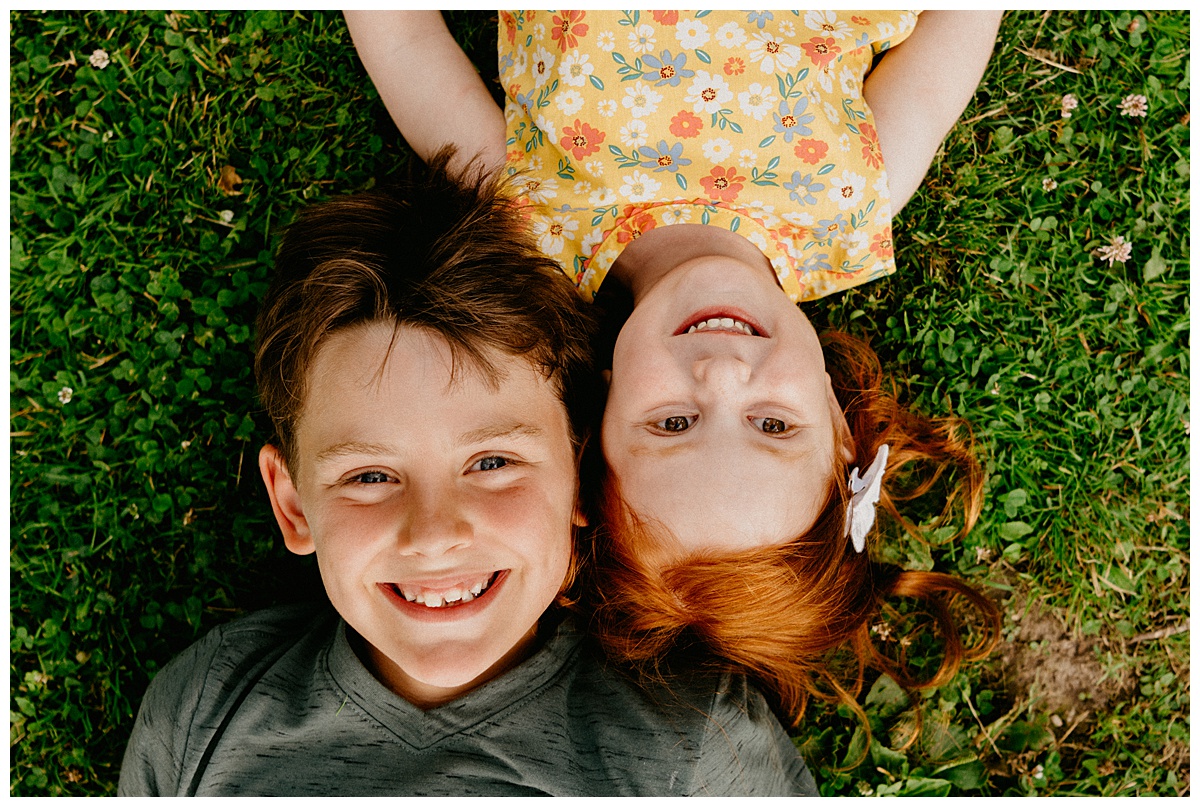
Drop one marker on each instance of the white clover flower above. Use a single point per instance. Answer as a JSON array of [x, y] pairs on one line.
[[1118, 250], [99, 59], [64, 395], [1048, 184], [1069, 102], [1134, 106], [226, 216]]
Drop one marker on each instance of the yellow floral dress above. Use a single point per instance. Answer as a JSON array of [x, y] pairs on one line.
[[620, 122]]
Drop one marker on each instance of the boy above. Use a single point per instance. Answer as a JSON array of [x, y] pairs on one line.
[[427, 372]]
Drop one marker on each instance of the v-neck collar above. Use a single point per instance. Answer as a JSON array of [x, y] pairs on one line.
[[425, 728]]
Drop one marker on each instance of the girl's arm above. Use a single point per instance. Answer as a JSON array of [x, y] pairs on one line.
[[428, 84], [920, 87]]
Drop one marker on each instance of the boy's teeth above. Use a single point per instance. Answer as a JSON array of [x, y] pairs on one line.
[[722, 323], [451, 596]]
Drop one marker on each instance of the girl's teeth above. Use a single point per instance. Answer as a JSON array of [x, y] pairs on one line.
[[722, 323]]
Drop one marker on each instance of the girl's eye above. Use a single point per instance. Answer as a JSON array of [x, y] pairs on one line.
[[489, 464], [676, 423], [371, 478], [770, 425]]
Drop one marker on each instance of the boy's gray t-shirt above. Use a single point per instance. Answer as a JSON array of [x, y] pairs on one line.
[[277, 703]]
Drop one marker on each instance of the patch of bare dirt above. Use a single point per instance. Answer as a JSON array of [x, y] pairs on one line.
[[1053, 669]]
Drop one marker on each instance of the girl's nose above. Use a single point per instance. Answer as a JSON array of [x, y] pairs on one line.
[[721, 372]]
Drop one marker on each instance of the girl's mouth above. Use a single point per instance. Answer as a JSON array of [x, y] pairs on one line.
[[721, 320]]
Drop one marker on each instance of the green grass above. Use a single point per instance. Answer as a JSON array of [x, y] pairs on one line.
[[138, 520]]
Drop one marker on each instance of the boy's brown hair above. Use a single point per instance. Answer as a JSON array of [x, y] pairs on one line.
[[447, 252]]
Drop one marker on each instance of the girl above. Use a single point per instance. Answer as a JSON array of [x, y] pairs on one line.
[[723, 167]]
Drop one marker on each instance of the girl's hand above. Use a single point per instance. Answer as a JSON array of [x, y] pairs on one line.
[[429, 86], [921, 86]]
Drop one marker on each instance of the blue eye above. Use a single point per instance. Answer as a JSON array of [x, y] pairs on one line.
[[490, 464], [770, 425], [676, 423], [371, 478]]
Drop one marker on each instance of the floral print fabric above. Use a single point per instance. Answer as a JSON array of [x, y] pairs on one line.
[[620, 122]]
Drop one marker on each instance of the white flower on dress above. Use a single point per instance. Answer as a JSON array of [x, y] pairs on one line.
[[730, 35], [692, 33], [886, 30], [813, 93], [534, 164], [569, 102], [844, 142], [850, 82], [539, 31], [717, 149], [547, 126], [641, 100], [908, 21], [759, 240], [771, 54], [543, 66], [582, 188], [98, 60], [677, 214], [520, 63], [852, 241], [641, 39], [787, 29], [596, 169], [747, 158], [708, 92], [831, 112], [826, 23], [764, 212], [633, 134], [639, 187], [553, 233], [847, 189], [602, 197], [825, 79], [539, 191], [757, 101], [607, 107], [591, 240], [606, 41], [799, 219], [576, 68], [881, 187]]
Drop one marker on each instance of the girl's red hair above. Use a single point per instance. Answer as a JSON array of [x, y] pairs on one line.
[[779, 613]]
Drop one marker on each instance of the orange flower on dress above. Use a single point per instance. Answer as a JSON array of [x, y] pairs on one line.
[[811, 151], [822, 50], [723, 183], [857, 20], [514, 156], [870, 141], [665, 17], [881, 244], [568, 28], [510, 26], [581, 139], [635, 223], [793, 231], [734, 66], [686, 124]]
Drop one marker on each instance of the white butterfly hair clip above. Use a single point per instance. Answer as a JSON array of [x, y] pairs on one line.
[[864, 490]]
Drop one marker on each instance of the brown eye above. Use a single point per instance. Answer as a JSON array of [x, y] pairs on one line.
[[771, 425], [676, 423]]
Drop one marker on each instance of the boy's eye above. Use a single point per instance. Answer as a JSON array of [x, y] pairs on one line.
[[489, 464], [371, 478], [676, 423], [770, 425]]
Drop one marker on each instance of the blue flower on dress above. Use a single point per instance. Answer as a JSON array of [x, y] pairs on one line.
[[668, 69], [817, 263], [827, 228], [506, 61], [793, 122], [527, 102], [803, 187], [759, 18], [663, 158]]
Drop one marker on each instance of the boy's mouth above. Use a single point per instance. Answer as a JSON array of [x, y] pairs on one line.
[[720, 320], [460, 593]]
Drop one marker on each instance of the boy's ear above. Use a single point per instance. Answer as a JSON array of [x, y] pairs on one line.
[[285, 501], [841, 429]]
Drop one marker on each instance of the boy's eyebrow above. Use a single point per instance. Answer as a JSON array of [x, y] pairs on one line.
[[479, 435], [499, 430]]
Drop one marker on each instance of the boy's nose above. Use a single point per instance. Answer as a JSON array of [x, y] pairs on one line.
[[434, 526]]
